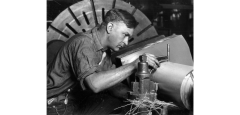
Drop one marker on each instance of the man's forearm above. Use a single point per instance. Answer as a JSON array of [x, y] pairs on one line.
[[103, 80]]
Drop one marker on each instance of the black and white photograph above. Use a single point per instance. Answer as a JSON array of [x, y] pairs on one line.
[[120, 57]]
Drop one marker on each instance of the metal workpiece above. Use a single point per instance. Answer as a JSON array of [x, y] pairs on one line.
[[145, 89], [143, 71], [144, 86], [174, 82], [135, 88]]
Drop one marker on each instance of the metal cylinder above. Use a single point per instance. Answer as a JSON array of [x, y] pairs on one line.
[[143, 71], [171, 75], [143, 74], [174, 81]]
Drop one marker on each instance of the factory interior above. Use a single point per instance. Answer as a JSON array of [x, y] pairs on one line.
[[165, 26]]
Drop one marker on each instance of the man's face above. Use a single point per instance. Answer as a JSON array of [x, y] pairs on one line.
[[119, 35]]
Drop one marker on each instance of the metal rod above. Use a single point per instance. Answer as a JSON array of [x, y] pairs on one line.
[[168, 52], [145, 29], [86, 18], [134, 10], [94, 13], [71, 28], [113, 5], [73, 15], [58, 31]]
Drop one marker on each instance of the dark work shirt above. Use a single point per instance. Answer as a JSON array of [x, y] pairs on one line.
[[78, 58]]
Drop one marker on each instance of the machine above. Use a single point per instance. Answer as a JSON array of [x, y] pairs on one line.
[[171, 82]]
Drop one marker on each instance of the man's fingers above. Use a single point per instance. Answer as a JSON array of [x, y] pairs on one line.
[[153, 58], [152, 63], [151, 55]]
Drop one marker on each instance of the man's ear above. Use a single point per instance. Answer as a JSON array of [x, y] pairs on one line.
[[109, 27]]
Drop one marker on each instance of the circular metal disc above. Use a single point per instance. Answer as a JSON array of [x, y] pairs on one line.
[[101, 7]]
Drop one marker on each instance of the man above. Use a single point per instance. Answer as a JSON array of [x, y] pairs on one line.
[[84, 59]]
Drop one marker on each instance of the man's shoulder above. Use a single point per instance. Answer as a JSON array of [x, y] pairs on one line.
[[82, 38]]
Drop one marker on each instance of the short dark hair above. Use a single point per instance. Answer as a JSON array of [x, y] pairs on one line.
[[115, 15]]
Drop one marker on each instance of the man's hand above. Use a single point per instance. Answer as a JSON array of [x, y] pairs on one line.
[[151, 60]]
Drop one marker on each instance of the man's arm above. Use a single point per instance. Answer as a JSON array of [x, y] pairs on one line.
[[105, 79]]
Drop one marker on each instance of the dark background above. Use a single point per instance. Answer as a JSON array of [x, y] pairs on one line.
[[168, 16]]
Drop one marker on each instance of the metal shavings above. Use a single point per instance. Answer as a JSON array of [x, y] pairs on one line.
[[145, 103]]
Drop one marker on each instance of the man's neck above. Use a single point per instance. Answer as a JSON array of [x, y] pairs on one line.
[[102, 35]]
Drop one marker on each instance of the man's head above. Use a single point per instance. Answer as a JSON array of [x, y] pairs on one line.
[[119, 27]]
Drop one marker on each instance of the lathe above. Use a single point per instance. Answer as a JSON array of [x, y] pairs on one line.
[[174, 77], [171, 82]]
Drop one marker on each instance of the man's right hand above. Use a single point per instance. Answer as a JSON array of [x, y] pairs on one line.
[[151, 60]]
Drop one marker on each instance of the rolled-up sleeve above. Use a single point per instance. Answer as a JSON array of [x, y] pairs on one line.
[[85, 63]]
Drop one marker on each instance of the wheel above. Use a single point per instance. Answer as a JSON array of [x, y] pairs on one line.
[[85, 15]]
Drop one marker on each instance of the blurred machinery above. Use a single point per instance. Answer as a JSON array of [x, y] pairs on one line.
[[174, 77]]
